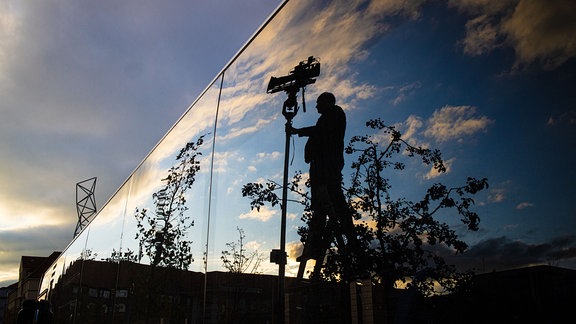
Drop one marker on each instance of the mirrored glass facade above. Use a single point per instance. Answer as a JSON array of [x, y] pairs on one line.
[[165, 246]]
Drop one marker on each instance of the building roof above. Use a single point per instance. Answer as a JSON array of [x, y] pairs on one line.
[[35, 266]]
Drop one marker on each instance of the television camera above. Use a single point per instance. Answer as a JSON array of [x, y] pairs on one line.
[[299, 77]]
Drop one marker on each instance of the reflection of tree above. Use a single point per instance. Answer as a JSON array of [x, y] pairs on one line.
[[237, 260], [118, 256], [87, 254], [238, 292], [162, 233], [398, 235]]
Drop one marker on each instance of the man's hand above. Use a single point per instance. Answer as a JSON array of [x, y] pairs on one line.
[[292, 131]]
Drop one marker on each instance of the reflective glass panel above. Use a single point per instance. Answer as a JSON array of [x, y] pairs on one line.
[[187, 243]]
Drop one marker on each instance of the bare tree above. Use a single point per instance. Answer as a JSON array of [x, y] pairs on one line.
[[237, 260]]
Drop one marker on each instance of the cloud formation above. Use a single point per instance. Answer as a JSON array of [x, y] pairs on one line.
[[567, 118], [455, 122], [524, 205], [503, 253], [541, 32], [263, 215]]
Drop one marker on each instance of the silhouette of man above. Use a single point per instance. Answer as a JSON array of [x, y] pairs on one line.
[[324, 151], [45, 315], [27, 314]]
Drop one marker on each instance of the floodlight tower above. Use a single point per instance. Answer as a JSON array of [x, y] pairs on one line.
[[85, 203]]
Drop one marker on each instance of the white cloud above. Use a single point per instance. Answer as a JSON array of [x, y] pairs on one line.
[[567, 118], [294, 249], [433, 173], [410, 9], [292, 216], [481, 36], [454, 122], [253, 245], [524, 205], [222, 159], [405, 91], [265, 156], [413, 123], [543, 31], [497, 195], [264, 215]]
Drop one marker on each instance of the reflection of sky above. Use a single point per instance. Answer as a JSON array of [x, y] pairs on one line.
[[252, 114], [87, 90], [440, 90], [464, 77]]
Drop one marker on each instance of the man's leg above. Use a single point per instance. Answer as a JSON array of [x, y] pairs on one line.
[[343, 215], [315, 238]]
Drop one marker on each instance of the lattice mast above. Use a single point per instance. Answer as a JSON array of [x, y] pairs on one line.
[[85, 203]]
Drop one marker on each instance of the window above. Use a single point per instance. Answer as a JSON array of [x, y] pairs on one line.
[[122, 293], [104, 293]]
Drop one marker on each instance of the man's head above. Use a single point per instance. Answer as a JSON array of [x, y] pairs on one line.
[[325, 101]]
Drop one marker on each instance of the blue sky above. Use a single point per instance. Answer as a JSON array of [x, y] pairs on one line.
[[89, 89]]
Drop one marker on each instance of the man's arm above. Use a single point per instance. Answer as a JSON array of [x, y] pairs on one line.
[[305, 131]]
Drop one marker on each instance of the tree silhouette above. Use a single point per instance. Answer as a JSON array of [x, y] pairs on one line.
[[162, 233], [397, 235], [118, 256], [237, 260]]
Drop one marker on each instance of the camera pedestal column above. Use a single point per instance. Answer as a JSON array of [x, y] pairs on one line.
[[289, 110], [302, 75]]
